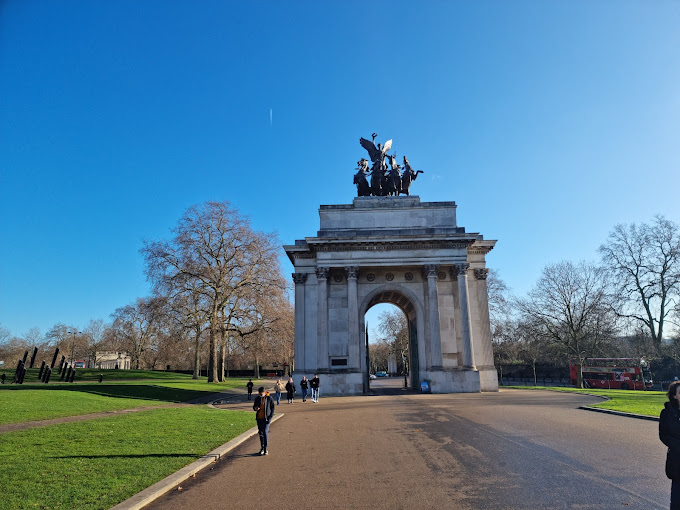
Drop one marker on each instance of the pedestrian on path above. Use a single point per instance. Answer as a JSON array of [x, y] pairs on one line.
[[278, 389], [314, 384], [304, 385], [250, 388], [669, 433], [264, 412], [290, 390]]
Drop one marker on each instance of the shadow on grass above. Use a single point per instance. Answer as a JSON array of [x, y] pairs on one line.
[[133, 391], [130, 456]]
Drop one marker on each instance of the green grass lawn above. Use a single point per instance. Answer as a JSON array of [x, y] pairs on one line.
[[92, 374], [98, 463], [28, 402], [649, 403]]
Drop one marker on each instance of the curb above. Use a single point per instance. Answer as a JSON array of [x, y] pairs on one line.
[[148, 495], [620, 413]]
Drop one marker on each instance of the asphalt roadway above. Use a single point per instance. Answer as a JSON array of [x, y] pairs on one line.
[[515, 449]]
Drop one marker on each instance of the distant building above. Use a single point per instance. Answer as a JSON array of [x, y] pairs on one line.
[[110, 360]]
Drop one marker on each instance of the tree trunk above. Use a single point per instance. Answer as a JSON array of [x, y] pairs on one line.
[[533, 366], [197, 365], [257, 368], [579, 375], [212, 358]]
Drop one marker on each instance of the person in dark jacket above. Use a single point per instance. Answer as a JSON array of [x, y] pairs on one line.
[[290, 390], [304, 385], [669, 433], [264, 412], [314, 384], [250, 389]]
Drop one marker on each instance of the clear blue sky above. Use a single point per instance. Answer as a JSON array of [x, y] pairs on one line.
[[548, 122]]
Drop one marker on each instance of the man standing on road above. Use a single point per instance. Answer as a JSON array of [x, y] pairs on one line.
[[250, 389], [314, 384], [264, 412]]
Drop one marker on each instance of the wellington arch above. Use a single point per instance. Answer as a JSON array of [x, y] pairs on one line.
[[402, 251]]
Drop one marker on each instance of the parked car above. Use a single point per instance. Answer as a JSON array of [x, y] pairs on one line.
[[372, 376], [381, 374]]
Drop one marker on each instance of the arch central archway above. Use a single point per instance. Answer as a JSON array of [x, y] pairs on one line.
[[403, 299]]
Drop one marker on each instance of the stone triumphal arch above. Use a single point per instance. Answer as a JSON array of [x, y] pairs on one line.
[[402, 251]]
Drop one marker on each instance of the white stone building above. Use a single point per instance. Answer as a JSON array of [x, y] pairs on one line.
[[401, 251]]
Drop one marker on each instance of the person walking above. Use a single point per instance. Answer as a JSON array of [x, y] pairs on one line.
[[669, 433], [264, 412], [314, 384], [278, 389], [250, 388], [304, 385], [290, 390]]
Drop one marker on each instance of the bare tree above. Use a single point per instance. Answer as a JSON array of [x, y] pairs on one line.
[[569, 306], [136, 326], [215, 251], [645, 263], [393, 331]]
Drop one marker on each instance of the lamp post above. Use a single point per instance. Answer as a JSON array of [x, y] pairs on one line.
[[73, 345]]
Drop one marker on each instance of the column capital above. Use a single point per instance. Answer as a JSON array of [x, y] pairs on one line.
[[299, 278], [430, 270], [352, 272], [459, 269], [322, 273], [481, 274]]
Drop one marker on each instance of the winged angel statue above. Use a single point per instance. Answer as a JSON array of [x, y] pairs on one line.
[[384, 181]]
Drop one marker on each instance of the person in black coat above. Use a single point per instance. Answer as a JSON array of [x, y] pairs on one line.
[[249, 386], [264, 412], [314, 385], [290, 390], [304, 386], [669, 433]]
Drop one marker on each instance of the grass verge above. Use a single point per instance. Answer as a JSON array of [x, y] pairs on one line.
[[648, 403], [99, 463], [29, 402]]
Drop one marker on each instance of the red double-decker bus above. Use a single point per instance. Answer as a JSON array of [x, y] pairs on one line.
[[613, 373]]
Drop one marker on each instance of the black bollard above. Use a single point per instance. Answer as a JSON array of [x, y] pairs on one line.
[[48, 373], [25, 356], [62, 364], [101, 377], [3, 377], [63, 372], [68, 374], [42, 370], [54, 359], [73, 375], [22, 374], [35, 353], [15, 379]]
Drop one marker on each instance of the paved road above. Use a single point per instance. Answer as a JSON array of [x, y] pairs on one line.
[[515, 449]]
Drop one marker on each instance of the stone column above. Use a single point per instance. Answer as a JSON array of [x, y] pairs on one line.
[[300, 279], [430, 272], [322, 319], [483, 304], [459, 271], [354, 351]]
